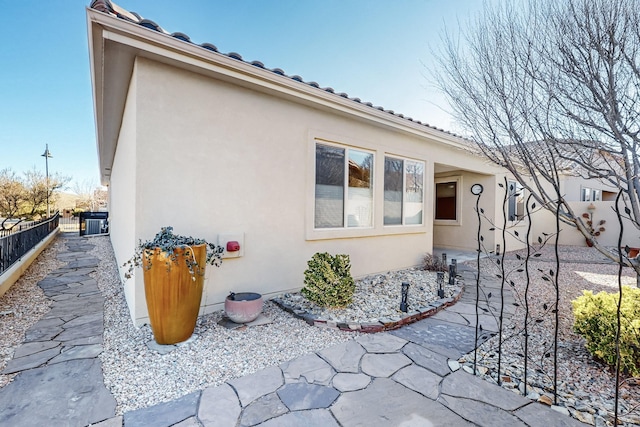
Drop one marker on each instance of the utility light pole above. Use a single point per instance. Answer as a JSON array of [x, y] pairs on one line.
[[47, 155]]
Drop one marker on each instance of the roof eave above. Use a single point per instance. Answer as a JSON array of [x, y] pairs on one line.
[[168, 49]]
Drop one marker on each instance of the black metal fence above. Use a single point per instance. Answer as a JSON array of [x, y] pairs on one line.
[[18, 227], [550, 310], [15, 245]]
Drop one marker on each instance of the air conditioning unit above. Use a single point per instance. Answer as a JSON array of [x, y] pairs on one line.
[[93, 226]]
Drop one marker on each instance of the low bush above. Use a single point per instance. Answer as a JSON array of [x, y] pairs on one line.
[[596, 320], [433, 263], [328, 281]]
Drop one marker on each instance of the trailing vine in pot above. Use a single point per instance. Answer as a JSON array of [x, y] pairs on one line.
[[173, 267]]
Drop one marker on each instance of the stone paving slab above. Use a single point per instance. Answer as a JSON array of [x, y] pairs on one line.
[[387, 403], [426, 358], [69, 393], [253, 386], [350, 382], [381, 343], [164, 414], [219, 406], [344, 357], [420, 380], [311, 368], [302, 396], [383, 365], [538, 415], [33, 347], [263, 409], [312, 418], [462, 384], [77, 352], [30, 361], [481, 414], [442, 337]]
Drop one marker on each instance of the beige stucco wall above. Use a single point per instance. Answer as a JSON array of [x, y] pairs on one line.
[[462, 234], [572, 187], [209, 157], [122, 193], [545, 222]]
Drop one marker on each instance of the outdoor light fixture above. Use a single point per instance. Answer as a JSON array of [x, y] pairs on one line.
[[440, 284], [476, 189], [452, 274], [405, 294], [47, 155], [454, 264]]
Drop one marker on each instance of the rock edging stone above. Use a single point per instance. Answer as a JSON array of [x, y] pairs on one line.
[[385, 324]]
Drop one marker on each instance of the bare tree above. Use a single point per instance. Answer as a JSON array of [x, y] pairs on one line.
[[12, 196], [90, 196], [26, 197], [39, 189], [549, 87]]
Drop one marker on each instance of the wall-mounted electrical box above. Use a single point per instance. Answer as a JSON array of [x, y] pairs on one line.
[[232, 243]]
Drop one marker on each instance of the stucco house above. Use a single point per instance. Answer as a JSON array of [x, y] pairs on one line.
[[227, 149]]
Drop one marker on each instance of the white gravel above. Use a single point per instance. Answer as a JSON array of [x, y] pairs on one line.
[[140, 377], [378, 297], [24, 304]]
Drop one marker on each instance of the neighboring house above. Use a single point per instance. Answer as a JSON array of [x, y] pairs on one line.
[[226, 149], [593, 197]]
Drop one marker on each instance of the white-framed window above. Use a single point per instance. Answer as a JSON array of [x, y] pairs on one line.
[[516, 201], [403, 191], [343, 187], [585, 194], [590, 195], [447, 199]]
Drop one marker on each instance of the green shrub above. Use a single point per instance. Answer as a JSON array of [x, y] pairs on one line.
[[328, 281], [596, 320]]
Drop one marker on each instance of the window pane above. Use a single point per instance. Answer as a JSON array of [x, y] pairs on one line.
[[595, 195], [393, 173], [329, 198], [516, 201], [414, 181], [360, 195], [446, 200]]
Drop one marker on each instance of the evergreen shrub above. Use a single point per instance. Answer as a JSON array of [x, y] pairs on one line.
[[596, 320], [328, 281]]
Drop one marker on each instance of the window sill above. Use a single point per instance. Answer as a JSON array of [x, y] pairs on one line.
[[446, 222], [390, 230]]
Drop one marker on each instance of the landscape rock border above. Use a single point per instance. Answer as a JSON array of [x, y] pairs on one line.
[[385, 324]]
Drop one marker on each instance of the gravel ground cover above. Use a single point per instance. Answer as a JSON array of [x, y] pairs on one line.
[[378, 296], [586, 387], [24, 304], [140, 377]]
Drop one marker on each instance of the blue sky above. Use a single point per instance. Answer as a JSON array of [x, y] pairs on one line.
[[372, 49]]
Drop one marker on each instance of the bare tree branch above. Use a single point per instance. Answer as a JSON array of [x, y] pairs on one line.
[[547, 89]]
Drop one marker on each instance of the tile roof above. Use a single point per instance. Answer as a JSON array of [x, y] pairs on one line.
[[106, 6]]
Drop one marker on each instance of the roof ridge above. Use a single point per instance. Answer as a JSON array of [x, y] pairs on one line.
[[108, 7]]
